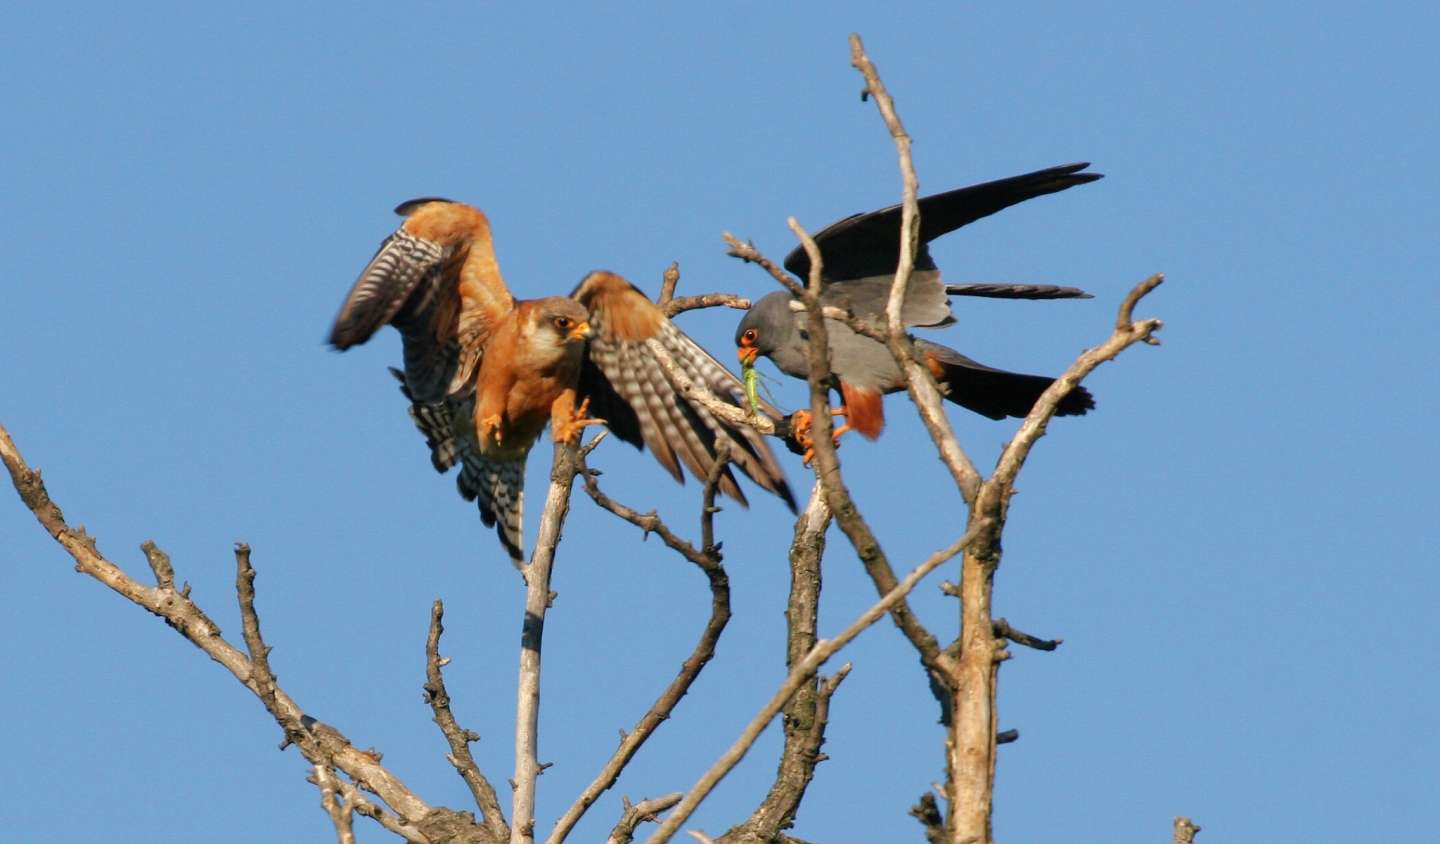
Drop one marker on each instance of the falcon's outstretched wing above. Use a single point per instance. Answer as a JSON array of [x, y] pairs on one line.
[[628, 388], [868, 244], [436, 280]]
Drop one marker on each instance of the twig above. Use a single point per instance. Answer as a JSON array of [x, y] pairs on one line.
[[668, 280], [705, 300], [537, 600], [817, 656], [159, 564], [1127, 333], [352, 802], [318, 742], [750, 255], [341, 812], [492, 816], [707, 559], [262, 679], [1185, 830], [635, 814]]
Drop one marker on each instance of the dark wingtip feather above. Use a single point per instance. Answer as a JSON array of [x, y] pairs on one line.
[[1006, 290], [1077, 402]]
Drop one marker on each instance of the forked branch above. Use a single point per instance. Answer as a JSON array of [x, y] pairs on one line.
[[707, 559], [321, 744]]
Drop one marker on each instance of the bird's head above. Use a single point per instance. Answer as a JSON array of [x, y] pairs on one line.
[[767, 324], [561, 321]]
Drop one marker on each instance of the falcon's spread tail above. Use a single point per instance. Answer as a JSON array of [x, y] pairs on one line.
[[497, 486], [994, 392]]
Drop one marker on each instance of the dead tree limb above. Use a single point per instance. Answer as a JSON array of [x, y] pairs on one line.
[[538, 597], [818, 655], [806, 714], [320, 743], [707, 559]]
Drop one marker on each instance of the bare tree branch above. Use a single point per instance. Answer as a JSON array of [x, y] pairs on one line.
[[708, 560], [806, 714], [637, 813], [970, 750], [320, 743], [817, 656], [492, 816], [262, 679], [827, 473], [345, 801], [919, 382], [706, 300], [538, 596], [1127, 333], [341, 812]]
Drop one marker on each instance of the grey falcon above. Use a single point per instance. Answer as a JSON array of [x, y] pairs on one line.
[[859, 255]]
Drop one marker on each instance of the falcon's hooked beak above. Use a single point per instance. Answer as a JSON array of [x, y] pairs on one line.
[[581, 331]]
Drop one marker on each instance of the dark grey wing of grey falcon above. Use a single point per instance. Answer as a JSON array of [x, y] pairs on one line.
[[859, 256]]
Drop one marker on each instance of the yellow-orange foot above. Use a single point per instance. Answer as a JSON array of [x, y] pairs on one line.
[[567, 430], [800, 424]]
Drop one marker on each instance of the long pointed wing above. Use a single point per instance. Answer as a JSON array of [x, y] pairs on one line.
[[630, 390], [437, 281], [869, 244]]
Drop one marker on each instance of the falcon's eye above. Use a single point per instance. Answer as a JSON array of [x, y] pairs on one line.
[[749, 336], [563, 323]]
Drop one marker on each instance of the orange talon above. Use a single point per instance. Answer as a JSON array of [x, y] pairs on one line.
[[568, 430], [800, 422]]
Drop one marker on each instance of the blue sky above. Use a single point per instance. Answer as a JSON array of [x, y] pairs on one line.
[[1238, 546]]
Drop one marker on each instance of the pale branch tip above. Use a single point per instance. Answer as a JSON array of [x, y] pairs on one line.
[[1185, 830], [668, 280], [749, 254]]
